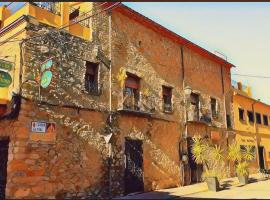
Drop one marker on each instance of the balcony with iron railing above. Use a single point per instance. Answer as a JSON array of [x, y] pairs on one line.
[[194, 114], [135, 104], [53, 7], [78, 16], [48, 13], [167, 107]]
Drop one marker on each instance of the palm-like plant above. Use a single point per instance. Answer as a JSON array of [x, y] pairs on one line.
[[241, 157], [211, 156]]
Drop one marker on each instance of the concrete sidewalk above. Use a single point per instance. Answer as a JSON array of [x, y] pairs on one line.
[[199, 190]]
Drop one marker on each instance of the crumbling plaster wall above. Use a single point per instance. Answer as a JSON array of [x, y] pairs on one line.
[[157, 61], [74, 164], [205, 78]]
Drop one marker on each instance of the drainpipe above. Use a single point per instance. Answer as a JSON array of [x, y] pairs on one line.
[[224, 97], [110, 102], [224, 107], [185, 119]]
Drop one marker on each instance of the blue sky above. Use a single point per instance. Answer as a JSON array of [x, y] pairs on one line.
[[241, 31]]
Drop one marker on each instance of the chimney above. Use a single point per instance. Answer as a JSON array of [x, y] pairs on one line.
[[239, 85]]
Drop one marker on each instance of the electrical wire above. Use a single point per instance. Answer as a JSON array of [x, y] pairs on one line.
[[252, 76], [110, 7], [9, 4], [19, 40]]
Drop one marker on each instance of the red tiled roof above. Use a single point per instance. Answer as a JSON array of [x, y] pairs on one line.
[[167, 33]]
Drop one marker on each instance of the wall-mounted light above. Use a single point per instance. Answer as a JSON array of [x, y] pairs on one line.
[[187, 90], [184, 158]]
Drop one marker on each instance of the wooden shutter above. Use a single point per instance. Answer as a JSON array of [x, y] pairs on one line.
[[132, 82]]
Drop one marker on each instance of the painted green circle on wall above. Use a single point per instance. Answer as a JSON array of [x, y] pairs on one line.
[[5, 79], [46, 79]]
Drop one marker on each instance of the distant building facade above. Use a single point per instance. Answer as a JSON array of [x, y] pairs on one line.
[[251, 124]]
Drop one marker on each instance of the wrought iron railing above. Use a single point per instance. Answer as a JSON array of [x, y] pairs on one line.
[[53, 7], [82, 15], [130, 102], [167, 107], [93, 88]]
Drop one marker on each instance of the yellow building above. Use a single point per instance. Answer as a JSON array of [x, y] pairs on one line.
[[13, 29], [251, 122]]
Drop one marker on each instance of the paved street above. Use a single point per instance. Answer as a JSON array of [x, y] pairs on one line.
[[258, 188]]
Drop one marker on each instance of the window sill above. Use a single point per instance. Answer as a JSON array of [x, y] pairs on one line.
[[97, 93], [135, 112], [168, 112]]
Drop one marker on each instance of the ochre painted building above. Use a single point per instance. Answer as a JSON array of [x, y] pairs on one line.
[[76, 83], [251, 124]]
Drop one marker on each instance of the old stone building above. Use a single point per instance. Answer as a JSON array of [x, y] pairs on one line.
[[106, 106]]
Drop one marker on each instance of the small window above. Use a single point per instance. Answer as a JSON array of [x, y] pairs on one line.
[[74, 13], [195, 103], [167, 98], [194, 98], [91, 78], [229, 123], [214, 107], [241, 114], [258, 118], [131, 92], [265, 120], [250, 116]]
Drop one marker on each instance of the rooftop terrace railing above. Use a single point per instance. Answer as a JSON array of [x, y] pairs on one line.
[[53, 7]]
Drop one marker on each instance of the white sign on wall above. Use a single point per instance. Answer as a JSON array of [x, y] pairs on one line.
[[38, 127]]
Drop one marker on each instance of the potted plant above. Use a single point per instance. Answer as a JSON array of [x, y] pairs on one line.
[[212, 158], [241, 158]]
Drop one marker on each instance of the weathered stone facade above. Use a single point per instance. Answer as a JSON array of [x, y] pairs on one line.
[[74, 163]]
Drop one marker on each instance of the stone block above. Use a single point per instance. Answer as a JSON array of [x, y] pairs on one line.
[[22, 193]]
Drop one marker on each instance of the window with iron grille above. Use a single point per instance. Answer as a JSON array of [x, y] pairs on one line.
[[91, 78], [241, 114], [214, 107], [229, 123], [74, 13], [250, 116], [265, 120], [258, 118], [167, 98], [195, 103], [131, 93]]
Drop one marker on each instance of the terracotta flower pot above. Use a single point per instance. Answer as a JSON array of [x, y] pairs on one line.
[[212, 183]]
